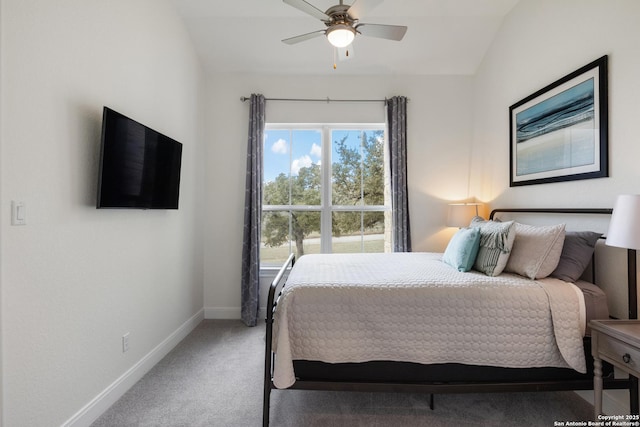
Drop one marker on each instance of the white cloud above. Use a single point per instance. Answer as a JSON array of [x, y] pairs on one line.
[[280, 146], [302, 162], [316, 150]]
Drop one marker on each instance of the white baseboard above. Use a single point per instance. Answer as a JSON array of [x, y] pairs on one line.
[[92, 410], [228, 313]]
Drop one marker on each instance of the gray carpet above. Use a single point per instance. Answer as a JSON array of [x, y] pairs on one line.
[[214, 378]]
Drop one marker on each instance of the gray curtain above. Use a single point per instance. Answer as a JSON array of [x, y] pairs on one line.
[[397, 128], [252, 214]]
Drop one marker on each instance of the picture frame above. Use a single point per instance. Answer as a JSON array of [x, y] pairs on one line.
[[560, 133]]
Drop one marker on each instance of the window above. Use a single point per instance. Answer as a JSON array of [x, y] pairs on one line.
[[325, 189]]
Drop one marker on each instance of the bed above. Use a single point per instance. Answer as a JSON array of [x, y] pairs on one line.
[[409, 322]]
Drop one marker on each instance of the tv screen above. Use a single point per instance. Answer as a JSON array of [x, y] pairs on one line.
[[139, 167]]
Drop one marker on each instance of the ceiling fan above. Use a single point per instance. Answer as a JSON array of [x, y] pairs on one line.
[[343, 23]]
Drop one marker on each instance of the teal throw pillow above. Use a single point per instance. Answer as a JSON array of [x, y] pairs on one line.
[[462, 249]]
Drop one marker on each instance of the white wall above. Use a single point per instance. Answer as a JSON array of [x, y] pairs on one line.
[[439, 134], [75, 279], [540, 42]]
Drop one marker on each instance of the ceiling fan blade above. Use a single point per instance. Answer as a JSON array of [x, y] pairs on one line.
[[390, 32], [309, 9], [360, 8], [303, 37]]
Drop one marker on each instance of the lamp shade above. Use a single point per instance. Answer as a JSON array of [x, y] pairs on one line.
[[341, 35], [624, 228], [460, 214]]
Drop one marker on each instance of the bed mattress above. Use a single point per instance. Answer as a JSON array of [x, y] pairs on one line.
[[411, 307]]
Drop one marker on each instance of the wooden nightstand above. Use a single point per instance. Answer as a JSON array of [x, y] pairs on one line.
[[617, 342]]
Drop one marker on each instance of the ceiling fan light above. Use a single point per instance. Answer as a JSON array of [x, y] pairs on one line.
[[341, 35]]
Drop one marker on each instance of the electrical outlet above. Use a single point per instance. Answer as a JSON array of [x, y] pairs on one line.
[[125, 342]]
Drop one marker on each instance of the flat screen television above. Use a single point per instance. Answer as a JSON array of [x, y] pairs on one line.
[[139, 167]]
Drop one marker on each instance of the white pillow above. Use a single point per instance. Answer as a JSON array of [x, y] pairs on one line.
[[496, 240], [536, 250]]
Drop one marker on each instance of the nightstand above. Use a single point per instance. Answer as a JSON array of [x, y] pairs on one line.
[[617, 342]]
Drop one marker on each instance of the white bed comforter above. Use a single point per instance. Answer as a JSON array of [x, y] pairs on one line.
[[412, 307]]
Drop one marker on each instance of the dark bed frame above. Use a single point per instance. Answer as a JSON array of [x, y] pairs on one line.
[[440, 378]]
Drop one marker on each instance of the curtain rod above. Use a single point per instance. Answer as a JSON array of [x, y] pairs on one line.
[[327, 100]]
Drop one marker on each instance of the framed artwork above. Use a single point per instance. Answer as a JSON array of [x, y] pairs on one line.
[[560, 132]]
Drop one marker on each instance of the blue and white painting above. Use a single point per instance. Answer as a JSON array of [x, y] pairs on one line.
[[557, 133]]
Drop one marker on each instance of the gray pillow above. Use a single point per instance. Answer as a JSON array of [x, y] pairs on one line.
[[576, 254]]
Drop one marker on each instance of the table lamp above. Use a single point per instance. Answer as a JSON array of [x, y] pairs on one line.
[[624, 232], [460, 214]]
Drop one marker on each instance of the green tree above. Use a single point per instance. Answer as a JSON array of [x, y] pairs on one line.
[[358, 175], [301, 189]]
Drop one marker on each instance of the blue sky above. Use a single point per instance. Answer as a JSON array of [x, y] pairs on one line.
[[299, 148]]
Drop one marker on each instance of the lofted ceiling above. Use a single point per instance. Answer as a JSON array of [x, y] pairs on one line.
[[244, 36]]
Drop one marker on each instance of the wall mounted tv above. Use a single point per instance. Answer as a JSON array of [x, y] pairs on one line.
[[139, 167]]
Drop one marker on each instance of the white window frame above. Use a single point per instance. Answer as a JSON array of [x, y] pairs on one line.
[[326, 206]]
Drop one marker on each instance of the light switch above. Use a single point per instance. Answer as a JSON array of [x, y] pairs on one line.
[[18, 213]]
